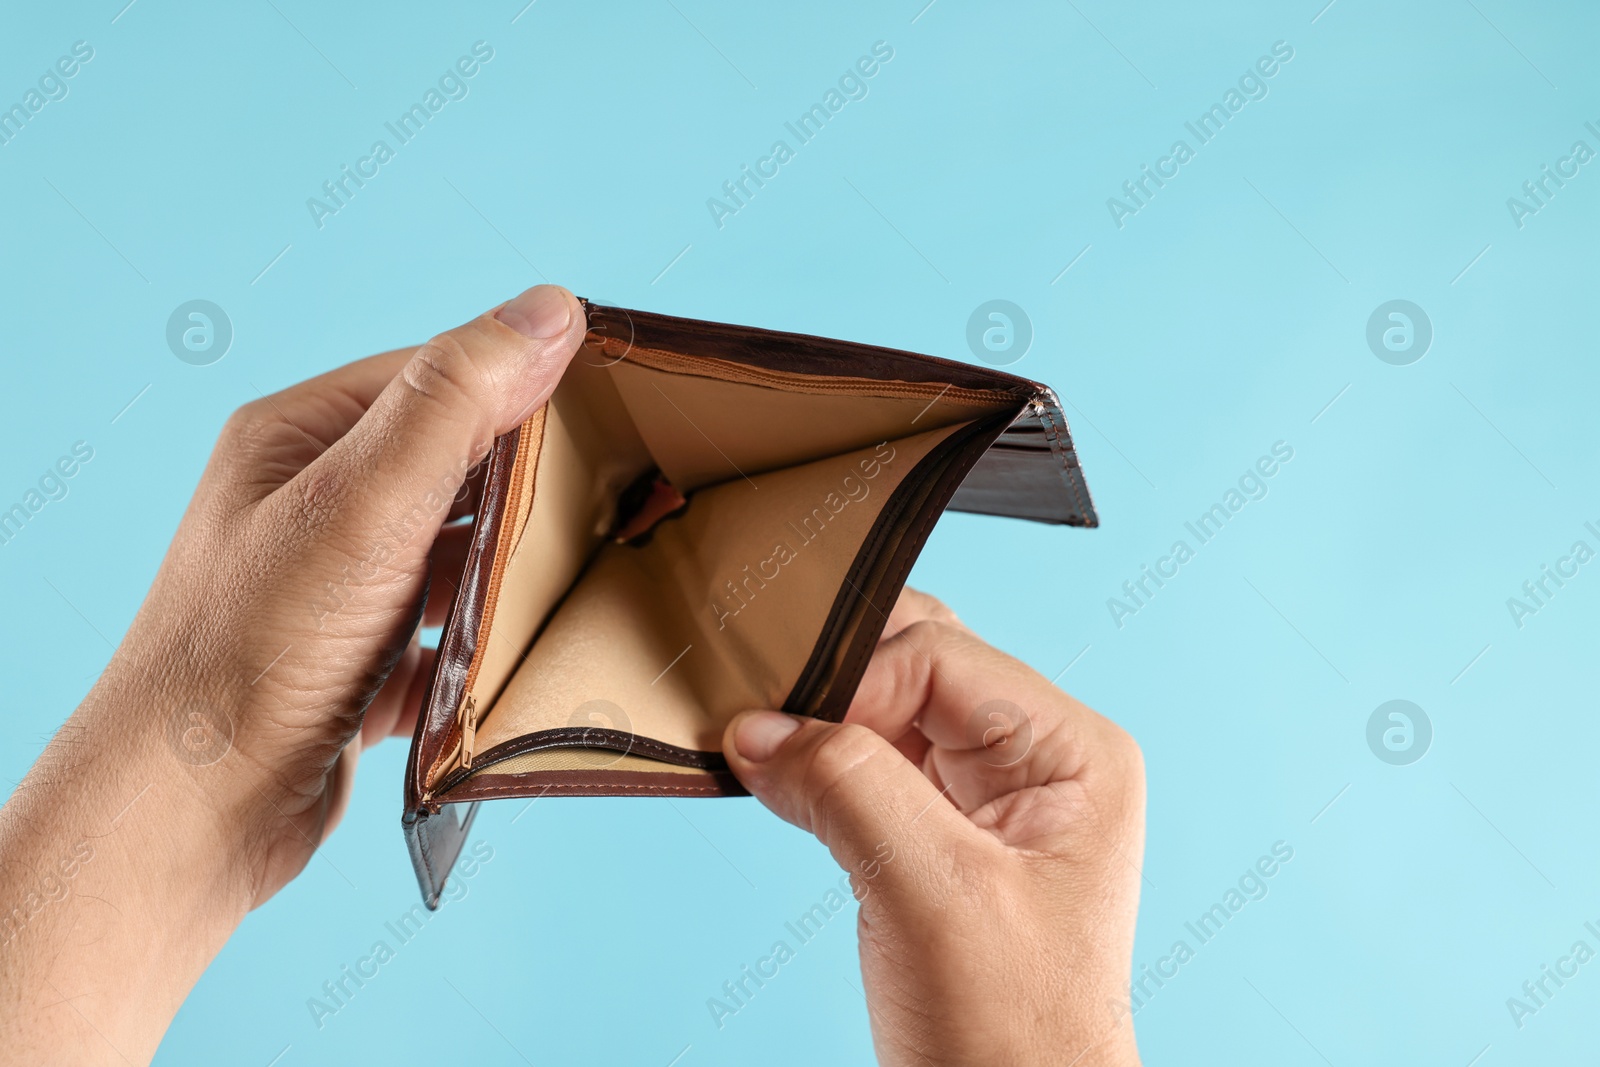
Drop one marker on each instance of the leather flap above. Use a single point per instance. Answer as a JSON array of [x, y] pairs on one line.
[[435, 842], [1031, 472]]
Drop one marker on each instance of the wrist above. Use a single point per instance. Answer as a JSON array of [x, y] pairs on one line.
[[185, 805], [122, 884]]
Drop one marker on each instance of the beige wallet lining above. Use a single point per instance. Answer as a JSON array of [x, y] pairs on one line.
[[720, 607]]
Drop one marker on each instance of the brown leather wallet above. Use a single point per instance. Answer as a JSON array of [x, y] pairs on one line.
[[704, 519]]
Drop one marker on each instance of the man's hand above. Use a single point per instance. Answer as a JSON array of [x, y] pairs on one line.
[[217, 750], [993, 829]]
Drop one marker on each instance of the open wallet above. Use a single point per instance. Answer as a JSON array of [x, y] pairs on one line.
[[704, 519]]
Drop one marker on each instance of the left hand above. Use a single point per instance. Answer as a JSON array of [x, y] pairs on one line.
[[277, 640]]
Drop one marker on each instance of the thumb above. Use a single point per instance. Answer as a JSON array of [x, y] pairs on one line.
[[874, 810], [410, 452]]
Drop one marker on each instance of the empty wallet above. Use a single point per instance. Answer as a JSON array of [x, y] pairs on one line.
[[704, 519]]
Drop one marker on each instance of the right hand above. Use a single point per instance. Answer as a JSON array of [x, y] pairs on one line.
[[993, 829]]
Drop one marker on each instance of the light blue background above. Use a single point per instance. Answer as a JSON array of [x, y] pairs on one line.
[[1224, 317]]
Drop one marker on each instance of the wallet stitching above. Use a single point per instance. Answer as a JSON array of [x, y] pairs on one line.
[[490, 792], [496, 789], [832, 349], [1079, 505], [818, 385]]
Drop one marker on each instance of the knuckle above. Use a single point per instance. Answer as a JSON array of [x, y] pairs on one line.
[[1122, 756], [245, 427], [442, 370], [835, 761], [837, 755], [914, 651], [931, 634], [1132, 755], [939, 611]]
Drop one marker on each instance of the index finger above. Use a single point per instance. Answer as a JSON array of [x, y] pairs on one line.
[[939, 677]]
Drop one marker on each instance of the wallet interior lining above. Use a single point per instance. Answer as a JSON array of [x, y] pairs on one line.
[[717, 613], [630, 637]]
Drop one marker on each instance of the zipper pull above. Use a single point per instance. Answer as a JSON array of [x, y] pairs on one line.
[[468, 716]]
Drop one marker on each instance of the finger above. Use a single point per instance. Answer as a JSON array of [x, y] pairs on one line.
[[914, 605], [270, 440], [330, 403], [848, 786], [340, 785], [320, 410], [935, 676], [446, 562], [393, 711], [405, 460], [994, 726], [470, 495]]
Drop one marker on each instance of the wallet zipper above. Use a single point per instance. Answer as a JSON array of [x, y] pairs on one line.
[[467, 715]]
